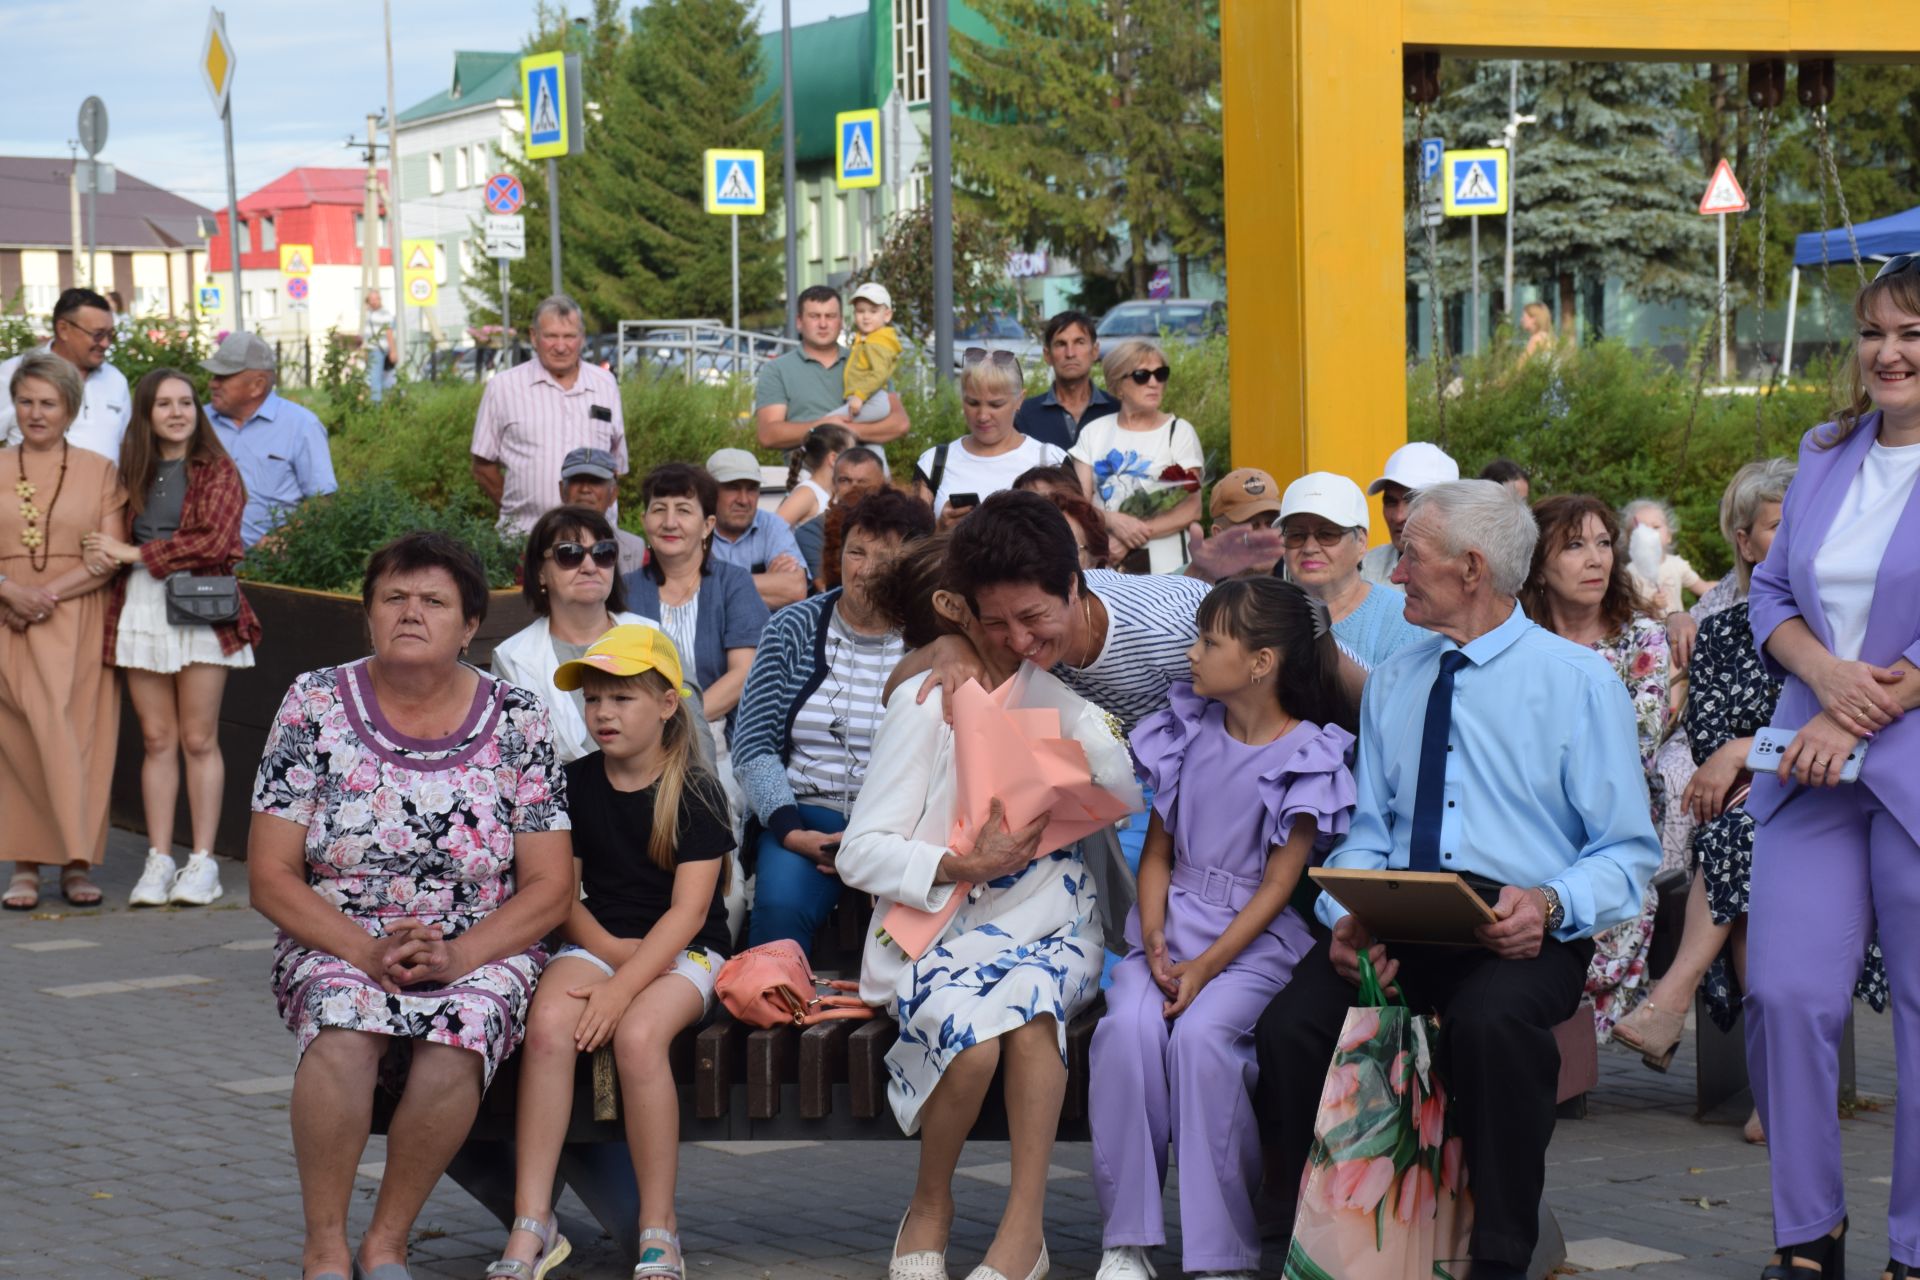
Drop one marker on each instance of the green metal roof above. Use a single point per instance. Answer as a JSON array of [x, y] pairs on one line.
[[833, 71], [477, 77]]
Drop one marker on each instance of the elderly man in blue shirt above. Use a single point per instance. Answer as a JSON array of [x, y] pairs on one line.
[[1500, 751], [279, 446], [748, 535]]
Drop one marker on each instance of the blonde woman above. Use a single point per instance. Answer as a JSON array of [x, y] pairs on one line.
[[1142, 465], [956, 477]]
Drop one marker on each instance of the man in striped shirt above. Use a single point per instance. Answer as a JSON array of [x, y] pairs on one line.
[[533, 415]]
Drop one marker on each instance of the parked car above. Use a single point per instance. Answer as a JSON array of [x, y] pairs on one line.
[[1182, 319], [998, 331]]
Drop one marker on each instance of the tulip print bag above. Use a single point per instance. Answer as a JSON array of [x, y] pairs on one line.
[[1385, 1193]]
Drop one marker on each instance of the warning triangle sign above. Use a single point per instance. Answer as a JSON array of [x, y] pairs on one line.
[[545, 118], [1474, 185], [1723, 192], [418, 259], [296, 263], [735, 188], [859, 157]]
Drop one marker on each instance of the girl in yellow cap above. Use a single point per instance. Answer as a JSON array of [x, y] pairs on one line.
[[651, 836]]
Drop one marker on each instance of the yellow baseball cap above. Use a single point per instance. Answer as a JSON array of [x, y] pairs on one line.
[[626, 651]]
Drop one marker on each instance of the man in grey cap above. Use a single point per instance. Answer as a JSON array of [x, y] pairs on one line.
[[746, 534], [587, 479], [279, 446]]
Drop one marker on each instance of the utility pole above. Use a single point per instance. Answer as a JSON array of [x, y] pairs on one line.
[[73, 205], [395, 240], [370, 220], [939, 86], [786, 161]]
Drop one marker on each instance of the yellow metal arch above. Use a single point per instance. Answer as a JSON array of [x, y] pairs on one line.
[[1315, 192]]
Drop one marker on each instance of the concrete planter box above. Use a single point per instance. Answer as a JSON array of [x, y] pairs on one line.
[[303, 630]]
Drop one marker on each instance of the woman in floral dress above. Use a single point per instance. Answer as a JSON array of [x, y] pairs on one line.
[[410, 843], [1578, 588], [996, 987]]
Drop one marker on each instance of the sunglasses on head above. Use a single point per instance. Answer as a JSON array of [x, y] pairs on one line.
[[571, 555], [1895, 265], [980, 355], [1142, 377]]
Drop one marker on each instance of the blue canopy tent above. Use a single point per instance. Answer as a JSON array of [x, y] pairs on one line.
[[1879, 239]]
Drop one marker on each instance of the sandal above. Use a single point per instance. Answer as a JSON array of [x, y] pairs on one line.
[[553, 1250], [23, 891], [78, 888], [1653, 1033], [1754, 1131], [1822, 1259], [653, 1261]]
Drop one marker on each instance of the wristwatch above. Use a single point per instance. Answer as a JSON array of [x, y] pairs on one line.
[[1556, 910]]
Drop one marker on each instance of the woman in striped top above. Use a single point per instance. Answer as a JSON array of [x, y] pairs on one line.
[[807, 720]]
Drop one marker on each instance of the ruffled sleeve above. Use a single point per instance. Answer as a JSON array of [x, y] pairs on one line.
[[1313, 782], [1160, 745]]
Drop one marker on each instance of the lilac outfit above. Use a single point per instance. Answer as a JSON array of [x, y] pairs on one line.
[[1826, 862], [1189, 1082]]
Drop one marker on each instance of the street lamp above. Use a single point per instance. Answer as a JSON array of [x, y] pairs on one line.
[[1510, 138]]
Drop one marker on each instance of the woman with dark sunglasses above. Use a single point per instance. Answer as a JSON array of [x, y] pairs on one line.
[[1142, 465], [572, 580]]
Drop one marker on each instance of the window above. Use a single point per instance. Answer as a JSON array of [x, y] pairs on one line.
[[264, 239], [440, 261], [482, 163], [460, 176], [816, 230], [436, 174], [910, 49], [40, 298], [150, 300], [266, 304]]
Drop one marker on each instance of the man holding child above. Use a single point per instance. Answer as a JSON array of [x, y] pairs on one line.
[[809, 385]]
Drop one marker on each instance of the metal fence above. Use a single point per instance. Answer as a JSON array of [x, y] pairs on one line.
[[699, 350]]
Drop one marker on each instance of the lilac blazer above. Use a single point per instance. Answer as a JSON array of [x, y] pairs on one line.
[[1784, 587]]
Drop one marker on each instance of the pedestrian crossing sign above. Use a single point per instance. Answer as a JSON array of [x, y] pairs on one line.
[[736, 182], [857, 158], [543, 96], [1474, 182]]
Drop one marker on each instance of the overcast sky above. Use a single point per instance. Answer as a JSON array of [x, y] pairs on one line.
[[307, 74]]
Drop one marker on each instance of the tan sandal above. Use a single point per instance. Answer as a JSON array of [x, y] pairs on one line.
[[23, 891], [78, 888], [1653, 1032]]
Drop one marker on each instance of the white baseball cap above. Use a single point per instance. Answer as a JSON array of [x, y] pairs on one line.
[[875, 293], [1323, 493], [1416, 466], [728, 466]]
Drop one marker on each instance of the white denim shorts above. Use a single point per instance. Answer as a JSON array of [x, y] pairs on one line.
[[697, 967]]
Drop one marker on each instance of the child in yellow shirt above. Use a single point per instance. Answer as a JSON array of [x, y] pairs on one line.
[[873, 355]]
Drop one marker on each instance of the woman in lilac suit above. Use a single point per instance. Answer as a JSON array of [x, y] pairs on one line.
[[1836, 611]]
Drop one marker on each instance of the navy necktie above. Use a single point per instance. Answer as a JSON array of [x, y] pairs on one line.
[[1423, 850]]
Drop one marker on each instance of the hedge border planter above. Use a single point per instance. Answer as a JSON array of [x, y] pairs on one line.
[[302, 630]]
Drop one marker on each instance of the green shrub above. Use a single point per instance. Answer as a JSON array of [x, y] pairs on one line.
[[164, 344], [1612, 420], [325, 545]]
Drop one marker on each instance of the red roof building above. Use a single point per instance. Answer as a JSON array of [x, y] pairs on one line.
[[320, 207]]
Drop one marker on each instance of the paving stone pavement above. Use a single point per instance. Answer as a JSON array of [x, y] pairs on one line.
[[147, 1137]]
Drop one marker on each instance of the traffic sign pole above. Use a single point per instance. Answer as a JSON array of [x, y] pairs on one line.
[[233, 220], [1723, 296], [553, 222], [735, 223], [1475, 222], [506, 328]]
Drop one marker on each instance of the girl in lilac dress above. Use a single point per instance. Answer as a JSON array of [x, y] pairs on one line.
[[1249, 772]]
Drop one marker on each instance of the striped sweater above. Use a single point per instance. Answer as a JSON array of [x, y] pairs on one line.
[[789, 665]]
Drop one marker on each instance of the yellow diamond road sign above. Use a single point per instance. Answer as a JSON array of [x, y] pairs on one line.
[[216, 61], [296, 259]]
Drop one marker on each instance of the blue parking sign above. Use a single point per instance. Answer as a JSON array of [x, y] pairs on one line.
[[1431, 149]]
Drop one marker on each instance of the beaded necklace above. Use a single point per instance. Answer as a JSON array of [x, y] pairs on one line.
[[31, 537]]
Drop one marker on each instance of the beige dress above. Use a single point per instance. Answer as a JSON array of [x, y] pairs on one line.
[[59, 704]]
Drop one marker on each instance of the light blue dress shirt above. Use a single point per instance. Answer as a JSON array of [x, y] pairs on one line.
[[283, 458], [769, 536], [1544, 782]]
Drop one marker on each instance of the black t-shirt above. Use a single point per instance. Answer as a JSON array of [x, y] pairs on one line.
[[626, 891]]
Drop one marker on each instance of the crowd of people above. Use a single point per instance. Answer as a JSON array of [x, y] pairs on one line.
[[723, 729]]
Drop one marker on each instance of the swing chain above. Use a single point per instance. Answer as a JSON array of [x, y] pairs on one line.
[[1825, 140]]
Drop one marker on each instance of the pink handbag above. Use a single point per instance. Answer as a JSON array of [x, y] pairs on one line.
[[771, 985]]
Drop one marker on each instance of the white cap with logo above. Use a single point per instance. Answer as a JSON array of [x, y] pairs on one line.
[[875, 293], [1326, 494], [1416, 466]]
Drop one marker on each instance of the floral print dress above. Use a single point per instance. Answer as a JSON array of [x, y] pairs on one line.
[[400, 827], [1144, 474], [1733, 697], [1617, 978]]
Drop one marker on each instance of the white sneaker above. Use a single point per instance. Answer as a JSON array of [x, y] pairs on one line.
[[198, 882], [1128, 1262], [155, 881]]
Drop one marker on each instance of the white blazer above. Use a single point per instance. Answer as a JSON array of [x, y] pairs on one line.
[[526, 658]]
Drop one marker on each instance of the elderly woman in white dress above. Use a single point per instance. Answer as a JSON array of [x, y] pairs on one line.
[[1021, 956]]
